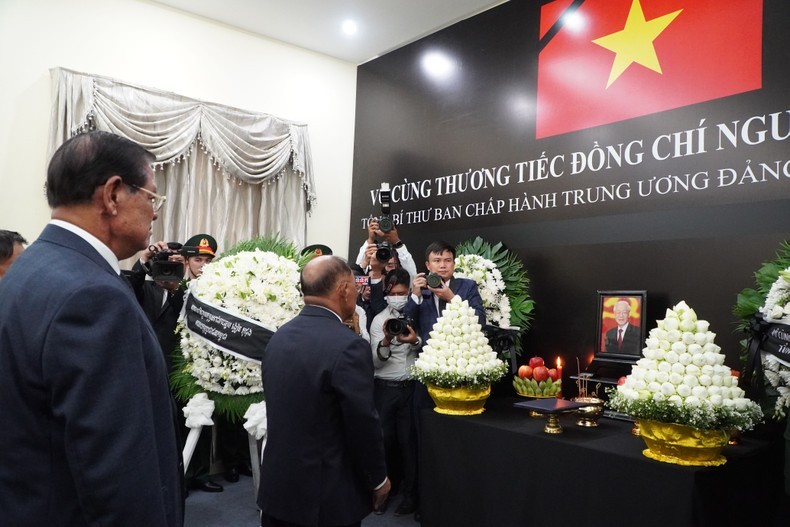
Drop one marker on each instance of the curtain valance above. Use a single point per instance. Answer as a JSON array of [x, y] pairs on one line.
[[254, 148], [232, 173]]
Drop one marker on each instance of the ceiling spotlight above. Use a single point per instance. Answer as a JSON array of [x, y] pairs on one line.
[[349, 27]]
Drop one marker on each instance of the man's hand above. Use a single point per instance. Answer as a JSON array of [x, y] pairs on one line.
[[391, 236], [376, 265], [370, 255], [148, 254], [373, 230], [444, 293], [410, 338], [418, 284], [380, 495]]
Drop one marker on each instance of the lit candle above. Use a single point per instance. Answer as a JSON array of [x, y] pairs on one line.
[[559, 376]]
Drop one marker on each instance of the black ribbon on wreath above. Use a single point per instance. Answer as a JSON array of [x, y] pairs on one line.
[[503, 342], [237, 335], [769, 337]]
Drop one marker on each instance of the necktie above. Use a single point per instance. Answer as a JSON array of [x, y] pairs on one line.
[[620, 338], [442, 304]]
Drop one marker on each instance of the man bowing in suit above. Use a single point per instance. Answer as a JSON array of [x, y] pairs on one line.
[[89, 426], [323, 464]]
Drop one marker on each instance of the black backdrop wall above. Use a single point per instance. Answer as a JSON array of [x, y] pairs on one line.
[[678, 183]]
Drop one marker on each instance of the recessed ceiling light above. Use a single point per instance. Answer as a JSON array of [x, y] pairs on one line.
[[349, 27]]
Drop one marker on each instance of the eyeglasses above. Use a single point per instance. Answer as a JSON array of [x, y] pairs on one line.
[[156, 200]]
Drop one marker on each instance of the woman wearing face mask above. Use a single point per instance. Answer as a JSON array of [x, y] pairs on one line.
[[394, 344]]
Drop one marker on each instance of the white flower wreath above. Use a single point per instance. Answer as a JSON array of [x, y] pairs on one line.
[[256, 284], [777, 372], [490, 285]]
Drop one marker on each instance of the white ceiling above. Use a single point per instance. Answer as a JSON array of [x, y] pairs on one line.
[[383, 25]]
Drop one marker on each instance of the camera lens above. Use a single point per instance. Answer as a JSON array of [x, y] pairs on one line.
[[385, 224], [434, 280], [395, 327], [384, 253]]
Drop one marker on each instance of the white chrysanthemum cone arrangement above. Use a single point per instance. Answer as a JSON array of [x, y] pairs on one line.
[[457, 352], [682, 364]]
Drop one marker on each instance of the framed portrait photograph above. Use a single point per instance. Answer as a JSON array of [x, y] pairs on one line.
[[621, 324]]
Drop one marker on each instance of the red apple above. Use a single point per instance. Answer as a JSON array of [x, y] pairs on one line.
[[541, 373], [554, 374], [525, 372], [534, 362], [621, 381]]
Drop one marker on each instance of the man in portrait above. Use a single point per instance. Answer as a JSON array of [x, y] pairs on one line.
[[624, 337]]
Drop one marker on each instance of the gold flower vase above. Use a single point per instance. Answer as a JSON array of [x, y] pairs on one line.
[[588, 416], [683, 445], [459, 401]]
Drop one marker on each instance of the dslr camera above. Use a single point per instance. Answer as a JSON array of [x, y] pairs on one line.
[[384, 251], [397, 326], [385, 222], [161, 268]]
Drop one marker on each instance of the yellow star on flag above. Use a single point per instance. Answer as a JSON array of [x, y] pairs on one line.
[[635, 42]]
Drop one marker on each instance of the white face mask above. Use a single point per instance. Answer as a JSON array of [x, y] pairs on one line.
[[396, 302]]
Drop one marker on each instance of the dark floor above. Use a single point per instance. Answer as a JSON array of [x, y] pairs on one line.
[[235, 507]]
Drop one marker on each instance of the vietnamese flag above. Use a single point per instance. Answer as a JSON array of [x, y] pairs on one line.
[[610, 60]]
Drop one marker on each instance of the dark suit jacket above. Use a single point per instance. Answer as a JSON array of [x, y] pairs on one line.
[[163, 318], [426, 314], [88, 420], [631, 341], [324, 453]]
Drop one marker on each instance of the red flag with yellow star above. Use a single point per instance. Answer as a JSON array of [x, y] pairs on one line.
[[610, 60]]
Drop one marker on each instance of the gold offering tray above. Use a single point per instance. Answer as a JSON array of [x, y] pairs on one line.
[[552, 408]]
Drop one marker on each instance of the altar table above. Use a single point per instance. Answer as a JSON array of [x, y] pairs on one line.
[[499, 469]]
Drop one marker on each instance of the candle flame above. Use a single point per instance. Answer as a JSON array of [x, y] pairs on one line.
[[559, 362]]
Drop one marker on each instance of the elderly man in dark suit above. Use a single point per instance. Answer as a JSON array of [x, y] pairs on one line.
[[323, 464], [624, 337], [89, 427]]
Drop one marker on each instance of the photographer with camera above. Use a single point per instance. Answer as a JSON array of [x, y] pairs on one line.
[[394, 344], [390, 249], [432, 291], [170, 266], [162, 296]]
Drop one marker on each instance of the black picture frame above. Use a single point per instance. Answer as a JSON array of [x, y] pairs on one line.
[[607, 344]]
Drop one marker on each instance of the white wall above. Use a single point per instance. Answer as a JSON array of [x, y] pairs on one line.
[[148, 44]]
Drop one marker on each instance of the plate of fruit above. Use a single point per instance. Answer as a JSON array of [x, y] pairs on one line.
[[537, 381]]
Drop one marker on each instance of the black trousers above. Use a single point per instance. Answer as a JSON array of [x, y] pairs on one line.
[[396, 408]]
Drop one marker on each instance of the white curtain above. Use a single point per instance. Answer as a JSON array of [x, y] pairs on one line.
[[227, 172]]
